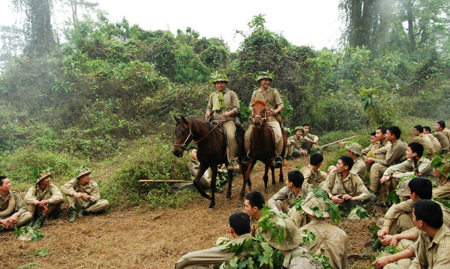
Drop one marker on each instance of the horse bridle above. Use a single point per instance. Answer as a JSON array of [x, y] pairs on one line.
[[185, 143], [259, 116]]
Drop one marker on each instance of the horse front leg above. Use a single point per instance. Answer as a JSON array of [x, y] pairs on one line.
[[213, 186], [266, 175], [197, 184], [246, 176]]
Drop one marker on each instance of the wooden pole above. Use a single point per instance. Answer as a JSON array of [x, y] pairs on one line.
[[335, 142], [162, 181]]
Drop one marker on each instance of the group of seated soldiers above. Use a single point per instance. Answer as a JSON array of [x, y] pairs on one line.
[[43, 200], [418, 225]]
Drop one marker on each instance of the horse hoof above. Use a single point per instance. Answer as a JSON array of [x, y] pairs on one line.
[[249, 188], [239, 203], [266, 190], [211, 208], [228, 199]]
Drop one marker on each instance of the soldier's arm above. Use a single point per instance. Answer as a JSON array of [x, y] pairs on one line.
[[235, 103], [68, 188], [56, 197], [394, 154], [364, 193], [394, 211], [214, 255], [251, 100], [30, 198], [278, 102], [280, 195], [95, 193], [20, 205], [403, 167], [442, 191], [327, 184]]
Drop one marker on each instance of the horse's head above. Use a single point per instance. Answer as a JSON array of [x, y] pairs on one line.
[[259, 114], [183, 135]]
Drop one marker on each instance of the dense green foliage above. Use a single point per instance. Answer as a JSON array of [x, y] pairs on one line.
[[108, 86]]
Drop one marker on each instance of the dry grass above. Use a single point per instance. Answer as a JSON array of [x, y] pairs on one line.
[[130, 238]]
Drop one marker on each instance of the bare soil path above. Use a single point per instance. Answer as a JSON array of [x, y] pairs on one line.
[[136, 238]]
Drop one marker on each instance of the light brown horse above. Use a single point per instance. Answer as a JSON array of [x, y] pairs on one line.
[[262, 145]]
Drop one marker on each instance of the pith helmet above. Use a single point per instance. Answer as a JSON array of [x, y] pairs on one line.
[[355, 148], [43, 175], [403, 188], [264, 74], [285, 227], [312, 203], [442, 165], [218, 77], [84, 171]]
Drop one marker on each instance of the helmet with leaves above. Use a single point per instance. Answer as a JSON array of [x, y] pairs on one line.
[[43, 175], [263, 74], [218, 77], [442, 164]]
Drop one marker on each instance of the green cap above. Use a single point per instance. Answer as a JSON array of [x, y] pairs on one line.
[[298, 128], [403, 188], [263, 74], [218, 77]]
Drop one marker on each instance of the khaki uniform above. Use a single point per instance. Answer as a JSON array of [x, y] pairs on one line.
[[359, 167], [52, 194], [12, 204], [314, 178], [399, 217], [274, 101], [443, 189], [371, 149], [284, 201], [446, 131], [352, 185], [443, 140], [382, 151], [331, 241], [308, 143], [435, 142], [430, 253], [212, 256], [426, 143], [294, 145], [395, 154], [298, 258], [231, 103], [406, 168], [91, 189], [194, 165]]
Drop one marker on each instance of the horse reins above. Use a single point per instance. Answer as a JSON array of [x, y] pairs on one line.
[[184, 145], [263, 119]]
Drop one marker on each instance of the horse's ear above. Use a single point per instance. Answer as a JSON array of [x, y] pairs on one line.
[[183, 119], [175, 118]]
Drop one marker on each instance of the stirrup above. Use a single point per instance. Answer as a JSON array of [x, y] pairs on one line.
[[246, 159], [278, 161]]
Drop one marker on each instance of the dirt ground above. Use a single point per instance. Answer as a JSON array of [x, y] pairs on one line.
[[133, 238]]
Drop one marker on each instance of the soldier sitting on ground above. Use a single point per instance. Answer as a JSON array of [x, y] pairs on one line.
[[421, 138], [441, 169], [310, 141], [433, 246], [202, 259], [330, 241], [359, 166], [374, 145], [83, 195], [13, 212], [311, 173], [441, 135], [254, 201], [436, 144], [43, 200], [294, 144], [414, 164], [346, 188]]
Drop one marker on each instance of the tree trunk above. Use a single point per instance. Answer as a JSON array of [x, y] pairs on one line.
[[40, 39], [409, 14]]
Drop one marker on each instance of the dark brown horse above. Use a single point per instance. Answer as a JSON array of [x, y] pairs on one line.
[[212, 149], [262, 145]]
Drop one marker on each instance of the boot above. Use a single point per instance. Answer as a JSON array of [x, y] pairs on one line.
[[368, 253], [84, 212], [39, 222], [72, 214]]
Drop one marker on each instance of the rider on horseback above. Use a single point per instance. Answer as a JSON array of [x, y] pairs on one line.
[[223, 105], [275, 106]]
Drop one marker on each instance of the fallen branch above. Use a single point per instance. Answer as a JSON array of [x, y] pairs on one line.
[[336, 142], [162, 181]]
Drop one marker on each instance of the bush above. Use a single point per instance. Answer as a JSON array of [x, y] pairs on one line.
[[150, 159]]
